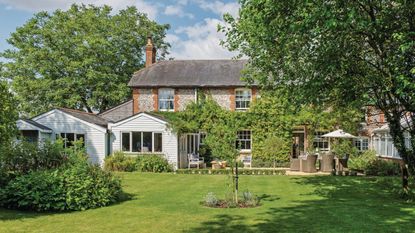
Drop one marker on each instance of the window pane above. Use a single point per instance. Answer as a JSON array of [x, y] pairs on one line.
[[70, 137], [136, 142], [166, 99], [158, 142], [125, 141], [242, 99], [82, 138], [147, 142], [243, 141]]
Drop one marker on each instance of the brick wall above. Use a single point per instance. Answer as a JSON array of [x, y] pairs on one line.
[[146, 100]]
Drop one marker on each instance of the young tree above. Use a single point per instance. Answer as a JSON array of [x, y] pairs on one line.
[[81, 58], [335, 53], [8, 113]]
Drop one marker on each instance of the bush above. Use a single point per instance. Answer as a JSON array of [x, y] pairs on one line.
[[250, 199], [259, 162], [153, 163], [90, 187], [120, 162], [211, 200], [371, 165], [22, 157], [43, 183]]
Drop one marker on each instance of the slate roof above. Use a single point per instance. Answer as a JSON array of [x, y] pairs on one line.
[[85, 116], [190, 73], [118, 112], [34, 123]]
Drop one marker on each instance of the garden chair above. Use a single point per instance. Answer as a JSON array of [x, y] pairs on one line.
[[327, 162], [194, 159], [294, 164], [308, 163], [343, 163], [247, 161]]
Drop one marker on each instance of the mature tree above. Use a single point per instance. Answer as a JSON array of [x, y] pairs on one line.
[[81, 58], [337, 53], [8, 113]]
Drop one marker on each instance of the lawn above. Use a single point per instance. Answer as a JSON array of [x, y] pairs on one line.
[[170, 203]]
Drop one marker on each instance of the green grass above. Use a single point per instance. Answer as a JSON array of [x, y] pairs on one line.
[[170, 203]]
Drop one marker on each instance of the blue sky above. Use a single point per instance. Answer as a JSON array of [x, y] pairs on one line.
[[193, 23]]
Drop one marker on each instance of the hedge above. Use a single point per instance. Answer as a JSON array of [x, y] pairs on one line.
[[228, 171]]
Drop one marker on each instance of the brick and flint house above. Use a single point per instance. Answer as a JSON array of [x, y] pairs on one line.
[[133, 127]]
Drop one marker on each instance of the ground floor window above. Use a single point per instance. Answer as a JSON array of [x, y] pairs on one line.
[[320, 143], [361, 144], [243, 141], [70, 138], [141, 142]]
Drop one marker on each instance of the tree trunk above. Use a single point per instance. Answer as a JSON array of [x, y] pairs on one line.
[[236, 182], [405, 177]]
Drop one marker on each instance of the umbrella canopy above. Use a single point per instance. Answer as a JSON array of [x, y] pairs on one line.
[[338, 134]]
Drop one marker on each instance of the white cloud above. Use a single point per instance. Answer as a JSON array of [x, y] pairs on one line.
[[202, 42], [219, 8], [177, 10], [50, 5]]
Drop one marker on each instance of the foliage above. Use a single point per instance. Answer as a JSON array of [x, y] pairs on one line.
[[243, 171], [372, 165], [265, 163], [8, 113], [88, 186], [153, 163], [211, 200], [81, 58], [23, 157], [344, 147], [334, 54], [248, 200], [49, 177], [276, 149], [119, 161]]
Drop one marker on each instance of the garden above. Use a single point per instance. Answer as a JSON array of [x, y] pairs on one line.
[[167, 202]]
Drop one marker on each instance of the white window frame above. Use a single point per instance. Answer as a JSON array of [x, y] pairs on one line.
[[244, 140], [360, 141], [74, 134], [141, 143], [241, 98], [318, 139], [162, 99]]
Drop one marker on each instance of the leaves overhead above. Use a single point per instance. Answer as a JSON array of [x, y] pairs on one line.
[[81, 58]]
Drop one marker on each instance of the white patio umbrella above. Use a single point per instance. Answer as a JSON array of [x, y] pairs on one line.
[[338, 134]]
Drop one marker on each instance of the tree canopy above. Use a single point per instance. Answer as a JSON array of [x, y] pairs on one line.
[[81, 58], [8, 113], [334, 53]]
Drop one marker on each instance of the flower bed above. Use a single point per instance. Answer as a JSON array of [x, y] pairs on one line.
[[228, 171]]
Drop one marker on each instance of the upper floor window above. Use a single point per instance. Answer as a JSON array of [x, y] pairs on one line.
[[166, 99], [242, 99], [243, 141]]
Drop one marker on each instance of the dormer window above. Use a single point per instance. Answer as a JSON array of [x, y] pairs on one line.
[[166, 99], [243, 99]]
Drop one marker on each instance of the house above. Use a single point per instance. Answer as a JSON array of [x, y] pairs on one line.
[[133, 126]]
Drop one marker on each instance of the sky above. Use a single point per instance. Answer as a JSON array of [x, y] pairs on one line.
[[193, 33]]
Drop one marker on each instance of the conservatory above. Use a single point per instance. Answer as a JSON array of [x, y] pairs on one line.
[[382, 143]]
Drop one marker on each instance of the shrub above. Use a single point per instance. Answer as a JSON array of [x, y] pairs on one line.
[[371, 165], [211, 200], [90, 187], [153, 163], [249, 199], [42, 183], [120, 162], [23, 157]]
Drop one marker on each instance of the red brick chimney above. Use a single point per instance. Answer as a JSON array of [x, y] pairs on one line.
[[150, 52]]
